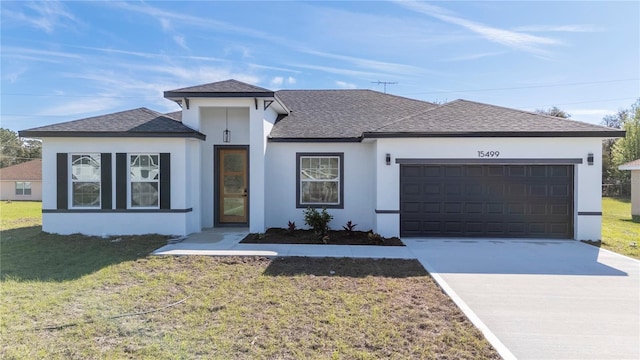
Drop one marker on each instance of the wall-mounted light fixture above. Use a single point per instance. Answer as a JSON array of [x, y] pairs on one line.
[[590, 159], [226, 134], [387, 158]]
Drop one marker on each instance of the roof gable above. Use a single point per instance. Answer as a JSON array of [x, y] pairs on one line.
[[140, 122], [226, 88], [30, 170]]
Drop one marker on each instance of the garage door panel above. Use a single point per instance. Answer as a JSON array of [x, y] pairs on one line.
[[453, 171], [487, 200]]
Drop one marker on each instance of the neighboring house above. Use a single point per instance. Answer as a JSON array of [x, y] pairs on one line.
[[22, 181], [241, 155], [634, 167]]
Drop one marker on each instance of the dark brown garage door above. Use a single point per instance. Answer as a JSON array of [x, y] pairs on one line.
[[520, 201]]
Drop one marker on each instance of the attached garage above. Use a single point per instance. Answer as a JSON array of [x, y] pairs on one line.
[[487, 200]]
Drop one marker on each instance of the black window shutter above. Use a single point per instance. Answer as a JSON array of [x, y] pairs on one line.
[[121, 181], [62, 181], [165, 181], [105, 180]]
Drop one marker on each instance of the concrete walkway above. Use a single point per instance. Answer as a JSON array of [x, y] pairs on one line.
[[541, 299], [225, 242], [532, 299]]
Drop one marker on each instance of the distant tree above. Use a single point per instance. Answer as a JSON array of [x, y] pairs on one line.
[[628, 148], [14, 150], [554, 111], [624, 149], [609, 171]]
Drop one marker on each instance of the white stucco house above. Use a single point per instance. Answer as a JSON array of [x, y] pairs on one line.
[[634, 167], [241, 155]]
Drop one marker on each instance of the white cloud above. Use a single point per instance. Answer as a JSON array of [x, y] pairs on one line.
[[44, 15], [474, 56], [345, 85], [559, 28], [84, 106], [13, 76], [180, 41], [512, 39], [26, 52], [340, 71], [277, 81], [388, 67], [291, 80]]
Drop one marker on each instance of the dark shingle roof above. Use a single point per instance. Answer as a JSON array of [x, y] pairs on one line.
[[176, 115], [140, 122], [468, 118], [340, 113], [227, 88], [30, 170]]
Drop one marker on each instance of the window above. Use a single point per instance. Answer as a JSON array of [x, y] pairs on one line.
[[23, 188], [85, 180], [320, 180], [144, 176]]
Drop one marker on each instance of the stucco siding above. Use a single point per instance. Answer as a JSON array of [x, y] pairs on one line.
[[8, 191], [111, 223], [359, 190], [587, 182]]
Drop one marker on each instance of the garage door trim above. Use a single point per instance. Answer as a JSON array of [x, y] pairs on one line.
[[488, 161]]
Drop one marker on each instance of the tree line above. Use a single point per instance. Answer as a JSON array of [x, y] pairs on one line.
[[15, 150], [615, 152]]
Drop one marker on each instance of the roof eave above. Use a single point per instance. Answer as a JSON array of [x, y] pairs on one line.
[[176, 95], [314, 139], [536, 134], [101, 134]]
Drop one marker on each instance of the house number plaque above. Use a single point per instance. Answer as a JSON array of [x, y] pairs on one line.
[[488, 154]]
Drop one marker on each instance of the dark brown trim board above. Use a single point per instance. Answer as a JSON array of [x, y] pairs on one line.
[[488, 161]]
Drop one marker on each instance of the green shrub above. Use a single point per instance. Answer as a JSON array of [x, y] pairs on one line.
[[317, 220]]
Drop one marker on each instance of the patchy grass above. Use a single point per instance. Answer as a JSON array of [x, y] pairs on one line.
[[17, 214], [619, 230], [235, 308], [240, 308]]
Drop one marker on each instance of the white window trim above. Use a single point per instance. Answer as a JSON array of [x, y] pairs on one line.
[[129, 182], [23, 188], [339, 180], [71, 181]]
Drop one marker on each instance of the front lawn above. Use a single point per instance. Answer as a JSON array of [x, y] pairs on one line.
[[619, 230], [233, 308]]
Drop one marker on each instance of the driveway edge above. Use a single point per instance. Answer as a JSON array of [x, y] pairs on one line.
[[475, 320]]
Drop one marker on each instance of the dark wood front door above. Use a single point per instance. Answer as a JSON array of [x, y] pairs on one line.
[[232, 185]]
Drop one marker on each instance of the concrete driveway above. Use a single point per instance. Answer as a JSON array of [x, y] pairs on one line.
[[541, 299]]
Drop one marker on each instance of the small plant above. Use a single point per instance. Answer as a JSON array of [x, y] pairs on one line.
[[375, 237], [291, 227], [317, 220], [349, 227]]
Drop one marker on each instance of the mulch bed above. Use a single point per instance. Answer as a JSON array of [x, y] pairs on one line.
[[333, 237]]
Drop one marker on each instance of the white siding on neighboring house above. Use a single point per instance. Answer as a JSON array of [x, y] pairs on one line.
[[8, 190]]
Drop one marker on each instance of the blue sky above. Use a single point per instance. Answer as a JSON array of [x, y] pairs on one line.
[[68, 60]]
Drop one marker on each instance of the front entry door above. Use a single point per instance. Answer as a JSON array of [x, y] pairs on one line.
[[232, 185]]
